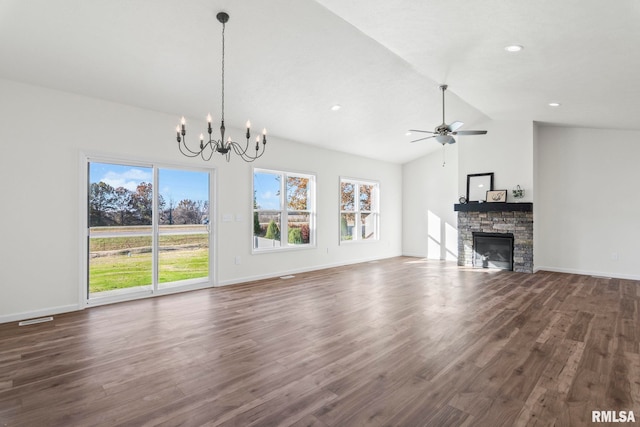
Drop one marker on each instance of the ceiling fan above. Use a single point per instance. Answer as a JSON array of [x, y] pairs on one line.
[[444, 132]]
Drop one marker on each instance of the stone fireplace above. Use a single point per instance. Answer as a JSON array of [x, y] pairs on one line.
[[495, 219]]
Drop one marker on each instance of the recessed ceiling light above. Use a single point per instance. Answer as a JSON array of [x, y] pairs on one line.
[[407, 134], [336, 107], [514, 48], [554, 104]]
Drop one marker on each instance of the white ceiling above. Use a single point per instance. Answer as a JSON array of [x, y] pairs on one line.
[[289, 61]]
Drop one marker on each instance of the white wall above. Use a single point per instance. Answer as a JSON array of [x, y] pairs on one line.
[[429, 193], [328, 166], [506, 150], [587, 204], [583, 183], [43, 134]]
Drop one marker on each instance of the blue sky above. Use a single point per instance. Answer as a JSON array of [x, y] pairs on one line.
[[174, 184], [267, 187]]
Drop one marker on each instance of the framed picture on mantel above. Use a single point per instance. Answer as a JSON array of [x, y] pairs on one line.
[[477, 186], [497, 196]]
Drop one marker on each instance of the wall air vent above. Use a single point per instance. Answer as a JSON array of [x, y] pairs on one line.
[[35, 321]]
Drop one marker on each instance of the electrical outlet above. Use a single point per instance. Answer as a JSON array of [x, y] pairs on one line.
[[238, 260], [614, 256]]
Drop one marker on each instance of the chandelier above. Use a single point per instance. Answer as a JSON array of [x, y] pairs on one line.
[[221, 146]]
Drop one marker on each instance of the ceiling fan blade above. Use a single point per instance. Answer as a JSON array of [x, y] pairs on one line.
[[418, 130], [422, 139], [454, 126], [470, 132]]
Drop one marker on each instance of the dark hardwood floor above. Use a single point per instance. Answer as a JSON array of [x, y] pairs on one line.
[[399, 342]]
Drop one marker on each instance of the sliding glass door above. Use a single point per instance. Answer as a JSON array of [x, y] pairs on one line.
[[148, 228], [183, 238]]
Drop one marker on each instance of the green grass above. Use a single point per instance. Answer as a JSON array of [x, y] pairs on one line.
[[98, 244], [125, 262], [184, 264], [119, 271]]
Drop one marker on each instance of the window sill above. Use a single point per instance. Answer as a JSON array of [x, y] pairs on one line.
[[359, 242], [255, 251]]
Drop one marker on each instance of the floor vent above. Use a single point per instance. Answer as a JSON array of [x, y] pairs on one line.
[[287, 277], [601, 277], [34, 321]]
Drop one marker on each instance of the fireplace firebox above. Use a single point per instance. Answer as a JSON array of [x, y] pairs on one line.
[[493, 250]]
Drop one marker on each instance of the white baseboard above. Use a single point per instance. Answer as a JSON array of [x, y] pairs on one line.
[[415, 255], [297, 270], [16, 317], [586, 272]]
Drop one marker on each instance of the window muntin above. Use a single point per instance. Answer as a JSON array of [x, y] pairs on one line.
[[359, 216], [283, 210]]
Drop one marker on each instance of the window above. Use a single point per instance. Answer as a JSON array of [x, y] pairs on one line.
[[148, 228], [358, 210], [283, 210]]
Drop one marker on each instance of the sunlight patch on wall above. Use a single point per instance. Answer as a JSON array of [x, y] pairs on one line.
[[434, 231], [451, 242]]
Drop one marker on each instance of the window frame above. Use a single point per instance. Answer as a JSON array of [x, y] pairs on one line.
[[375, 209], [284, 212], [85, 158]]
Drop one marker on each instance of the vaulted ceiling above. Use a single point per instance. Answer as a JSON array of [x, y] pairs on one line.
[[289, 61]]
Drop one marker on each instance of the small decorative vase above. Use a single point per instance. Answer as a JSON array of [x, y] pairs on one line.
[[518, 193]]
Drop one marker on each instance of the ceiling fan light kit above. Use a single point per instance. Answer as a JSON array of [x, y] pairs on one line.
[[206, 149]]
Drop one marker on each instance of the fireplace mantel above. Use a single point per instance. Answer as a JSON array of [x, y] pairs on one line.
[[493, 207]]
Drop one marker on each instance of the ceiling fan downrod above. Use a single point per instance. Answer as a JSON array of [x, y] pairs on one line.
[[443, 88]]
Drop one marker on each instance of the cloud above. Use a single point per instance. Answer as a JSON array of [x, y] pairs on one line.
[[269, 200], [129, 179]]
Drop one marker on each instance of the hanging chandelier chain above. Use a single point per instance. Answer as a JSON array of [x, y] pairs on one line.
[[223, 27]]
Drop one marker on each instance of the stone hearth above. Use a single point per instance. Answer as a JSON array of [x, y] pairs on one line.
[[515, 218]]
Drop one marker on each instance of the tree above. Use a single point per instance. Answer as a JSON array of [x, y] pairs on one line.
[[273, 232], [102, 204], [295, 236], [256, 220], [166, 215], [141, 204], [366, 197], [123, 205], [297, 193], [188, 212], [347, 196]]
